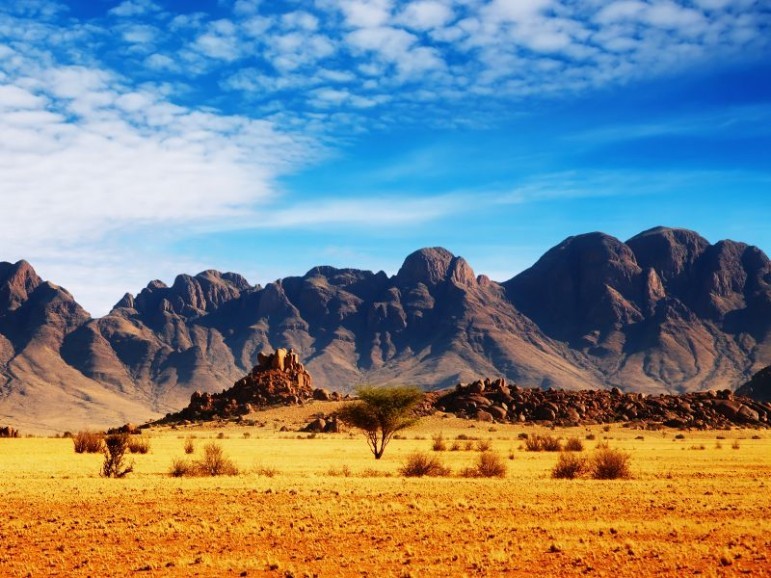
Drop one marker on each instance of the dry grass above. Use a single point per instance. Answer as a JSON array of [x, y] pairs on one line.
[[335, 511]]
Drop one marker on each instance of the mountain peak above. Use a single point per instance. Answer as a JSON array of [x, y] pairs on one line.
[[432, 266], [17, 281]]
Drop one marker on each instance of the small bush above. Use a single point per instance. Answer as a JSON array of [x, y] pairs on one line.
[[181, 468], [522, 436], [591, 437], [455, 447], [214, 462], [266, 472], [680, 436], [138, 445], [189, 446], [115, 447], [419, 464], [484, 445], [569, 466], [547, 443], [468, 446], [574, 445], [735, 445], [607, 464], [88, 442], [533, 444], [489, 465], [439, 443]]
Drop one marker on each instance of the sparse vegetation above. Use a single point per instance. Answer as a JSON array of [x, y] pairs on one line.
[[608, 464], [569, 466], [214, 462], [138, 444], [574, 445], [489, 465], [88, 442], [439, 444], [484, 445], [189, 446], [420, 464], [114, 465], [545, 443], [380, 413]]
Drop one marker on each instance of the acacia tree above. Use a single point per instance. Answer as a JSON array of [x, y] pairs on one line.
[[380, 412]]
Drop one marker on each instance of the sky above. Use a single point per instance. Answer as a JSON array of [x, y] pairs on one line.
[[142, 139]]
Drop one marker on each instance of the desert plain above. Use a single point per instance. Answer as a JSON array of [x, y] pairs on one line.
[[698, 504]]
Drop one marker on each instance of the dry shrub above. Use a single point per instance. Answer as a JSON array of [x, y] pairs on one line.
[[574, 445], [547, 443], [115, 447], [569, 466], [181, 468], [455, 447], [735, 445], [267, 472], [420, 464], [608, 464], [138, 445], [439, 443], [88, 442], [189, 446], [215, 463], [489, 465], [484, 445]]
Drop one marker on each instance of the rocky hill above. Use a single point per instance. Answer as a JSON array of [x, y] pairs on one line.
[[664, 312]]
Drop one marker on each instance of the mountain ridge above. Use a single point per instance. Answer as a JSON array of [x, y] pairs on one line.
[[665, 311]]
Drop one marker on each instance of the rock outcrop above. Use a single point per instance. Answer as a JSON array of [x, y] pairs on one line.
[[494, 400], [278, 379]]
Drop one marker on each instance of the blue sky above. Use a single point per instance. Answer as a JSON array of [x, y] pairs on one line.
[[142, 139]]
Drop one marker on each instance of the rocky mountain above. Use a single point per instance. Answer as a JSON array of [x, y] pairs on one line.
[[759, 387], [664, 312]]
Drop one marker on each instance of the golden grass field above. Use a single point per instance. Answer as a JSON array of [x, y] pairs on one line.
[[292, 511]]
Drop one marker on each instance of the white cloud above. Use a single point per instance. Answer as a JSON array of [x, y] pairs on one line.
[[426, 15]]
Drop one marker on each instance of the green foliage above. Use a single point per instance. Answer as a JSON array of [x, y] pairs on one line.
[[380, 413]]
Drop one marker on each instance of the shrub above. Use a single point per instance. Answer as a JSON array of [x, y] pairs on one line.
[[419, 464], [455, 447], [215, 463], [735, 445], [489, 465], [574, 445], [181, 467], [138, 445], [551, 444], [533, 444], [547, 443], [569, 466], [189, 446], [607, 464], [484, 445], [115, 447], [439, 444], [680, 436], [266, 471], [591, 437], [88, 442]]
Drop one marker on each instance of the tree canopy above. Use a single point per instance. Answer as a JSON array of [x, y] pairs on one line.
[[380, 412]]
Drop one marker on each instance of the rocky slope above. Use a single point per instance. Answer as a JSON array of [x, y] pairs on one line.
[[664, 312], [759, 387]]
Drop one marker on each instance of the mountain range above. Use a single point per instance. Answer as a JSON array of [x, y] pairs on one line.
[[665, 311]]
